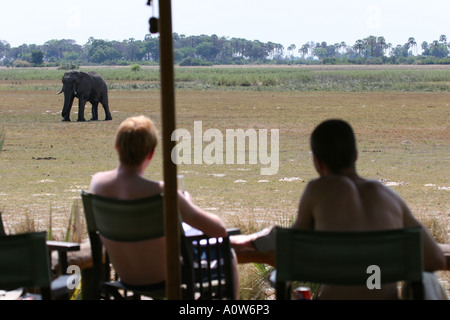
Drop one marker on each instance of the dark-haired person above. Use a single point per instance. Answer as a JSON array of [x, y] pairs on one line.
[[341, 200]]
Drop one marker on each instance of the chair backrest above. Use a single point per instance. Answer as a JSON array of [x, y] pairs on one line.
[[343, 258], [124, 225], [129, 220], [25, 262]]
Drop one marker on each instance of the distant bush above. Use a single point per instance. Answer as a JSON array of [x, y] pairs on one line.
[[21, 64], [194, 62], [71, 66], [135, 68]]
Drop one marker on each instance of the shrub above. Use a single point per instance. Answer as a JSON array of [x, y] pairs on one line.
[[194, 62], [135, 68], [21, 64], [71, 66]]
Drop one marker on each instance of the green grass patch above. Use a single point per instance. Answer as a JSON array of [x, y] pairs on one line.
[[341, 79]]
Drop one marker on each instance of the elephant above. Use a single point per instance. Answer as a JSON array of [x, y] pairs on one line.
[[86, 86]]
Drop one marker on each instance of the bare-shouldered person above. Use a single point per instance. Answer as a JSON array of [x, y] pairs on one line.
[[341, 200], [135, 142]]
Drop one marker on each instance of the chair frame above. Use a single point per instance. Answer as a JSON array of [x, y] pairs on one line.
[[309, 256], [207, 286]]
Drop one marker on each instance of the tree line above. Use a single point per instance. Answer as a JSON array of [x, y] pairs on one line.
[[210, 50]]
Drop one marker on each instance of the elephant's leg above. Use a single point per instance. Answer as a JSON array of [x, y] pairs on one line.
[[106, 108], [81, 105], [67, 107], [94, 111]]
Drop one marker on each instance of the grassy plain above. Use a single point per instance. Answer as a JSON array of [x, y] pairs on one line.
[[401, 119]]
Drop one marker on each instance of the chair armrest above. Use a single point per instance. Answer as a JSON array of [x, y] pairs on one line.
[[230, 232], [233, 231], [62, 248]]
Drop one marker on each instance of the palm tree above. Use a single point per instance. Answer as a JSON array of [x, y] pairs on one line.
[[291, 48], [370, 43], [381, 46], [304, 49], [412, 43], [358, 46], [343, 45]]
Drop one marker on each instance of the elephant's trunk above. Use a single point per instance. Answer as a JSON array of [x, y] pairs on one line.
[[68, 101]]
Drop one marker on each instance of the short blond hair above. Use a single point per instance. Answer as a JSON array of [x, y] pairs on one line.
[[136, 138]]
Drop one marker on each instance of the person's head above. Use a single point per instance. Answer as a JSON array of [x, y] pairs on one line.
[[136, 140], [333, 142]]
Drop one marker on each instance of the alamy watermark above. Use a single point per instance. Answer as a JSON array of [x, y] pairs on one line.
[[228, 148], [74, 280], [374, 280]]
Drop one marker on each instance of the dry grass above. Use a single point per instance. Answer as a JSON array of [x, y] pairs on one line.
[[403, 141]]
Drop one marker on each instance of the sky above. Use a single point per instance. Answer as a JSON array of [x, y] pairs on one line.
[[282, 21]]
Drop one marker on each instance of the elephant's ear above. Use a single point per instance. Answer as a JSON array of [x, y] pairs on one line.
[[76, 81], [84, 77], [80, 78]]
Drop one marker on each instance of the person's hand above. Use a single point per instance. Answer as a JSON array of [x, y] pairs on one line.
[[187, 195]]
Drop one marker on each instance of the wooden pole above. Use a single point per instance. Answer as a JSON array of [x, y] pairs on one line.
[[171, 220]]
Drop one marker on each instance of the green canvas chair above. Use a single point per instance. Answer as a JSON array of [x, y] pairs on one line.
[[59, 287], [343, 258], [25, 263]]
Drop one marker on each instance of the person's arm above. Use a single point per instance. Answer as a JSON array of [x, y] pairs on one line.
[[433, 256], [208, 223]]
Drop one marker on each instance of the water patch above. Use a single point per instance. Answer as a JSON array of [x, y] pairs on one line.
[[390, 183], [291, 179], [218, 175]]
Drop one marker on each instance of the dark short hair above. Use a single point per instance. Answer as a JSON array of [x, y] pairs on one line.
[[333, 142]]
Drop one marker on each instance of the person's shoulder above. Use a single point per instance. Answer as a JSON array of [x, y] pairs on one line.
[[331, 181], [100, 179], [103, 175], [377, 185], [373, 187], [372, 183]]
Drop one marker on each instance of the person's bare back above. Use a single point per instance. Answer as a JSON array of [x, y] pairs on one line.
[[342, 203]]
